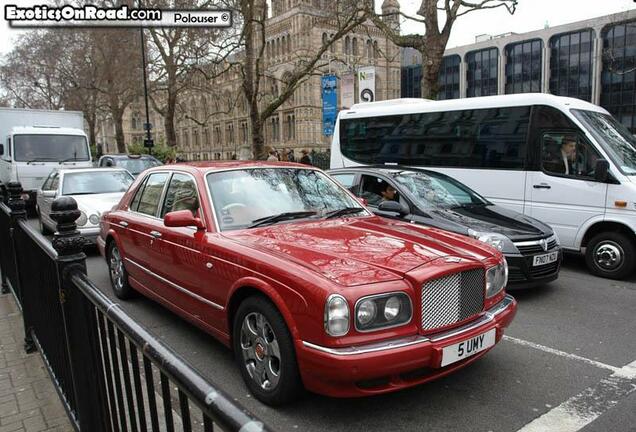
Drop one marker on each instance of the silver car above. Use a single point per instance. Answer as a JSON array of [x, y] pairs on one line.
[[96, 190]]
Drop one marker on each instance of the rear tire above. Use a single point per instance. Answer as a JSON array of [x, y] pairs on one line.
[[117, 272], [610, 255], [264, 352]]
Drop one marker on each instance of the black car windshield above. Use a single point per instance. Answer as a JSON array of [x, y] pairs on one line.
[[96, 182], [136, 166], [613, 136], [243, 196], [432, 190], [50, 148]]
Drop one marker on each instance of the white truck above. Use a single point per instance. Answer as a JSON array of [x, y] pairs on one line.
[[34, 142]]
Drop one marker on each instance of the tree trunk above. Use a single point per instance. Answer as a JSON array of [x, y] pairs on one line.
[[430, 76], [168, 123], [91, 121], [258, 137], [119, 129]]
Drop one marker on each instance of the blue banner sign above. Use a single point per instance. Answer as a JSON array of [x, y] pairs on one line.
[[329, 85]]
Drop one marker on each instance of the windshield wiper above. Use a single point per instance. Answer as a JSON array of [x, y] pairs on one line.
[[280, 217], [74, 158], [38, 160], [342, 212]]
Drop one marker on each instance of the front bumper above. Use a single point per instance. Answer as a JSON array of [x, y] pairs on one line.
[[90, 234], [522, 274], [393, 364]]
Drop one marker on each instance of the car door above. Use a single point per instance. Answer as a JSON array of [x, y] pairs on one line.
[[564, 193], [138, 232], [184, 263]]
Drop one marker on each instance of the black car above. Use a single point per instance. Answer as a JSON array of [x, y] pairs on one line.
[[135, 164], [430, 198]]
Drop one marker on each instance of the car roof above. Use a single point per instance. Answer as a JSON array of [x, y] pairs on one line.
[[385, 169], [128, 156], [84, 170], [214, 166]]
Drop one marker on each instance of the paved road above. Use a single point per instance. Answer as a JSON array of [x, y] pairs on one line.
[[564, 362]]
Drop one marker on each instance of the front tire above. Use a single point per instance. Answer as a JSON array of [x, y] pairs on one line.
[[610, 255], [117, 272], [264, 352]]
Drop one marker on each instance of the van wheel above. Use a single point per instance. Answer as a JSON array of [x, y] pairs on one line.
[[118, 274], [264, 352], [610, 255]]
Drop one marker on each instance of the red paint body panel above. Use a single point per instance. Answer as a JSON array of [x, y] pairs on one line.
[[298, 265]]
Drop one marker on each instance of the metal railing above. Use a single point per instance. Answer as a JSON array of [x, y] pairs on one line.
[[110, 372]]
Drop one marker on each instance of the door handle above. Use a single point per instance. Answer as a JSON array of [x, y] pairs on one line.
[[542, 186], [155, 234], [123, 223]]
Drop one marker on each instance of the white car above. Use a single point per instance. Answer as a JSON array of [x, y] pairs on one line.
[[96, 190]]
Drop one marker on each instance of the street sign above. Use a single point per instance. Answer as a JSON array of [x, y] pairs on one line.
[[147, 126], [149, 143]]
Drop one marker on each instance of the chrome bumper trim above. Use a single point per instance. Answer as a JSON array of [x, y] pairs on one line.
[[415, 340]]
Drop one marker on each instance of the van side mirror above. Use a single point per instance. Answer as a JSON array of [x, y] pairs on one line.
[[393, 207], [1, 149], [601, 171]]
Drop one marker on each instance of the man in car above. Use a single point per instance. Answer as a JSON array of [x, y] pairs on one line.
[[564, 161], [387, 192]]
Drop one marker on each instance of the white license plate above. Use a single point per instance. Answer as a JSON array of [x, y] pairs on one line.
[[469, 347], [544, 259]]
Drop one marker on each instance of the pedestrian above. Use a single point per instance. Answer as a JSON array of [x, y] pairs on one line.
[[272, 156], [290, 155], [305, 159]]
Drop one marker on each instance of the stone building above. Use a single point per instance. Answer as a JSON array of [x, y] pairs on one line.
[[217, 126]]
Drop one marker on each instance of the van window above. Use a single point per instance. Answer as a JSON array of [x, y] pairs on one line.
[[481, 138], [50, 148], [567, 154]]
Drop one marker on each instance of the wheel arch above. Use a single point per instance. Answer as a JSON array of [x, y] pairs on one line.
[[606, 226]]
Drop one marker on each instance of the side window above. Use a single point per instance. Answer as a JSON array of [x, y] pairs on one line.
[[375, 190], [346, 180], [151, 195], [55, 182], [181, 195], [564, 153], [47, 182]]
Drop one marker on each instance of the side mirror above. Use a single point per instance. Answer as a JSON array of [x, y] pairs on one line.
[[49, 193], [393, 207], [601, 171], [1, 149], [182, 218]]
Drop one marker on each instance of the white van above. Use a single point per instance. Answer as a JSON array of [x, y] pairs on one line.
[[34, 142], [561, 160]]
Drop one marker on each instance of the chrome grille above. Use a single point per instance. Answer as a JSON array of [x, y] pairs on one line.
[[453, 298], [533, 247]]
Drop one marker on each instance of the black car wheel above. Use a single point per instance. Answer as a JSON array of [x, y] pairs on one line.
[[264, 352], [610, 255]]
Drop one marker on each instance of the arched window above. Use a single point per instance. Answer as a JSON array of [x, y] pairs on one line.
[[347, 47], [332, 48], [369, 49], [354, 46], [376, 50], [289, 47], [135, 121], [324, 39]]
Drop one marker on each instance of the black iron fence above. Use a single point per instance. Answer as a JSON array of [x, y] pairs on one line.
[[111, 374]]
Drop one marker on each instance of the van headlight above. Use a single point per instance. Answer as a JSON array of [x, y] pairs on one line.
[[496, 240], [496, 278], [81, 220], [336, 315], [383, 311]]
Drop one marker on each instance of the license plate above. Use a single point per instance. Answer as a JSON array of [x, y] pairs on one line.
[[544, 259], [469, 347]]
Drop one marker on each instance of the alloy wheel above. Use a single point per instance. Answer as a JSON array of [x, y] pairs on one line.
[[608, 255], [260, 351], [116, 266]]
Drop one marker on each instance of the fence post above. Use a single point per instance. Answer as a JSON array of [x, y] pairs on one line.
[[17, 205], [80, 320]]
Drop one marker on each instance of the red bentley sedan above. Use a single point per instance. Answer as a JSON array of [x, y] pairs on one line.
[[308, 287]]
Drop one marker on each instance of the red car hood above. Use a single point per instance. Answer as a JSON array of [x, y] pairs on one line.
[[356, 251]]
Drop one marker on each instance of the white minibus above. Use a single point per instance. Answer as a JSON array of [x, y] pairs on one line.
[[561, 160]]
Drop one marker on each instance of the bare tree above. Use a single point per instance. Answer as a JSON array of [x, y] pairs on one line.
[[433, 42]]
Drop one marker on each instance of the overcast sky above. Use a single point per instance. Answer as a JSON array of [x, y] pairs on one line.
[[530, 15]]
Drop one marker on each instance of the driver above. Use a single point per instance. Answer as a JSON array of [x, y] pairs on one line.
[[387, 192]]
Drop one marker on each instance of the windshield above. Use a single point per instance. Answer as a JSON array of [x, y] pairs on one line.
[[432, 190], [242, 196], [136, 166], [50, 148], [95, 182], [613, 136]]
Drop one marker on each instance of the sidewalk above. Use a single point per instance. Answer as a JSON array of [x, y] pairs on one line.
[[28, 400]]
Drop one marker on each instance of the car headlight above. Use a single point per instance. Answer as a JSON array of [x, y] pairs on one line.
[[556, 237], [496, 278], [94, 219], [81, 221], [383, 311], [336, 315], [496, 240]]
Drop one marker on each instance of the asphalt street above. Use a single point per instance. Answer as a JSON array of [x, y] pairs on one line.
[[568, 360]]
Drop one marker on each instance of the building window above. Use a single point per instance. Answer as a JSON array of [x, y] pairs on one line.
[[523, 67], [618, 80], [571, 64], [448, 80], [135, 121], [354, 46], [347, 45], [411, 85], [481, 74]]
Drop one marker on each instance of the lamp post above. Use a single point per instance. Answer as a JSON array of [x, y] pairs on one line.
[[148, 143]]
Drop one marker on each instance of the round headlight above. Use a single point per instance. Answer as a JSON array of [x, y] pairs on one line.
[[392, 308], [366, 312], [81, 221], [94, 219]]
